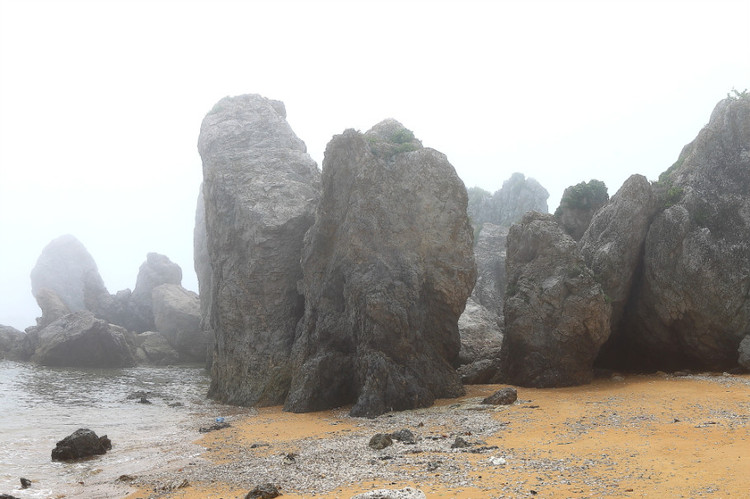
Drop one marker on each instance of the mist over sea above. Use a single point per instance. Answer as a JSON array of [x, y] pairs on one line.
[[42, 405]]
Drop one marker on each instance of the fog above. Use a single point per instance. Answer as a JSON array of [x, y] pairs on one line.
[[101, 102]]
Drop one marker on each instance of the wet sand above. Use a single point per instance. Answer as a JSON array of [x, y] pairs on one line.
[[632, 436]]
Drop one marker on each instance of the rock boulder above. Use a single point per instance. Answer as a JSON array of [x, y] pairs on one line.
[[155, 271], [260, 189], [388, 267], [14, 344], [80, 444], [177, 316]]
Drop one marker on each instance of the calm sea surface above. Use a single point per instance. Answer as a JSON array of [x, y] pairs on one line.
[[41, 405]]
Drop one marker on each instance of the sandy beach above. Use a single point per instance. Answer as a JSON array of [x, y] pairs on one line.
[[624, 436]]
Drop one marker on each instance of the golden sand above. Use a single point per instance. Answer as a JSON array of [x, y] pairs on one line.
[[638, 436]]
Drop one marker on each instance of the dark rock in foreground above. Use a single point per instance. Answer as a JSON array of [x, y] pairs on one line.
[[264, 491], [388, 267], [556, 314], [80, 444], [81, 340], [260, 189], [504, 396]]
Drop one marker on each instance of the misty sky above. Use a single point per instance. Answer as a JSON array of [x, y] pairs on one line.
[[101, 101]]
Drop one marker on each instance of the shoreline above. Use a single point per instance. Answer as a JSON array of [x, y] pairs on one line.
[[633, 436]]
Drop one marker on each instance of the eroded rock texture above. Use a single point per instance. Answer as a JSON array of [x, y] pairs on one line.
[[692, 305], [388, 267], [260, 190], [556, 314], [578, 206]]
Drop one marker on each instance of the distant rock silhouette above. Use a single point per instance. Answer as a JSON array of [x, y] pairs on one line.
[[506, 206], [155, 271], [387, 267], [578, 205], [14, 344], [260, 189]]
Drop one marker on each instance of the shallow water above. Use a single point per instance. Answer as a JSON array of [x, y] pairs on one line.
[[42, 405]]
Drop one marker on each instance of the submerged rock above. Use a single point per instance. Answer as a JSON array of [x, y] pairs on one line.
[[81, 340], [388, 267], [260, 189], [80, 444], [556, 314]]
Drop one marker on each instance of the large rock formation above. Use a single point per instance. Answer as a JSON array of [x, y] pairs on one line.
[[556, 314], [388, 267], [67, 269], [155, 271], [506, 206], [202, 265], [81, 340], [612, 248], [260, 190], [578, 205], [178, 318], [489, 253], [692, 301], [14, 344]]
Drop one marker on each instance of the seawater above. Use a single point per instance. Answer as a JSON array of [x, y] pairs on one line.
[[41, 405]]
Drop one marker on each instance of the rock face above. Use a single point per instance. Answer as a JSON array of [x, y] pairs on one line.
[[177, 316], [155, 271], [388, 267], [489, 253], [506, 206], [692, 305], [153, 348], [13, 344], [52, 307], [578, 205], [202, 265], [79, 444], [612, 248], [556, 314], [744, 353], [66, 268], [260, 190], [81, 340]]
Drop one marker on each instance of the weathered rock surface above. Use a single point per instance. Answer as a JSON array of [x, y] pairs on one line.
[[504, 396], [155, 271], [13, 344], [52, 307], [153, 348], [177, 316], [260, 190], [556, 315], [81, 340], [506, 206], [202, 264], [388, 267], [481, 335], [66, 268], [612, 248], [578, 206], [80, 444], [744, 353], [693, 299], [489, 253]]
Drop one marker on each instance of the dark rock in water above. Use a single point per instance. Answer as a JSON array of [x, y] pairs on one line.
[[404, 436], [14, 344], [460, 443], [67, 269], [506, 206], [744, 353], [265, 491], [80, 444], [7, 496], [556, 314], [692, 305], [144, 400], [578, 205], [612, 248], [25, 483], [504, 396], [81, 340], [260, 189], [388, 267], [155, 271], [177, 316], [153, 348], [380, 441]]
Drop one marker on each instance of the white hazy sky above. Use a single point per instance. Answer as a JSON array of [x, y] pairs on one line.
[[101, 101]]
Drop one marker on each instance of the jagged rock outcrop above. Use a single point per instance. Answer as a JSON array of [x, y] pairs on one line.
[[556, 314], [13, 344], [81, 340], [66, 268], [578, 206], [260, 190], [506, 206], [388, 267], [177, 316], [692, 301], [80, 444], [612, 248], [155, 271], [489, 253]]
